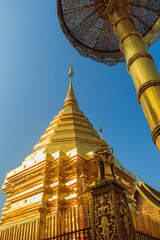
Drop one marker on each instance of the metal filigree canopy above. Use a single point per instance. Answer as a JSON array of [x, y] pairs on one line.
[[93, 35]]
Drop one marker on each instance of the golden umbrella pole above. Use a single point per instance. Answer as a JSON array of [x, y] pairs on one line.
[[87, 25], [140, 64]]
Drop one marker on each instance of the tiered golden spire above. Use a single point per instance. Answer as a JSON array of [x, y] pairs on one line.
[[69, 128], [70, 99]]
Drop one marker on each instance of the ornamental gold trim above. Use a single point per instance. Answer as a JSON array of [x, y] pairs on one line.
[[121, 19], [155, 133], [126, 36], [147, 199], [114, 5], [144, 185], [137, 56], [145, 86]]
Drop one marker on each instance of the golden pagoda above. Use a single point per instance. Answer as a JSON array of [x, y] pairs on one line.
[[50, 174], [49, 194]]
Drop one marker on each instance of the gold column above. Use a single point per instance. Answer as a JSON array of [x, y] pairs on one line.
[[140, 64]]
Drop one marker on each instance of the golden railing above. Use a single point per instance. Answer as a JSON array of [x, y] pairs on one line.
[[26, 231], [145, 226], [74, 224], [142, 236]]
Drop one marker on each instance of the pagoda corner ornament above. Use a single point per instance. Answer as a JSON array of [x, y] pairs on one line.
[[110, 213], [104, 161]]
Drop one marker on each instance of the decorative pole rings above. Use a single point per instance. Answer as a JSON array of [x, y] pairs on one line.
[[140, 64]]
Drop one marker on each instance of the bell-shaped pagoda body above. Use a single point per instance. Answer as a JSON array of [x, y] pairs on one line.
[[52, 175]]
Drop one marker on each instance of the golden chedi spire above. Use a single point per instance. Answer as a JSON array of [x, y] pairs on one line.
[[69, 129], [49, 176], [70, 99]]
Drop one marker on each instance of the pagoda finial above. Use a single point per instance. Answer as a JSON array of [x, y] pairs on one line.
[[70, 99], [71, 73], [100, 129]]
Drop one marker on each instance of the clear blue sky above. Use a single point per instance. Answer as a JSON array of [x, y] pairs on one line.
[[35, 58]]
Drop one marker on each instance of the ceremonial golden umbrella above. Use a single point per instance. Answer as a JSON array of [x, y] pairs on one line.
[[108, 31]]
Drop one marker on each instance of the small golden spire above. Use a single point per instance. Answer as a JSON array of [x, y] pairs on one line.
[[70, 99], [100, 129]]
